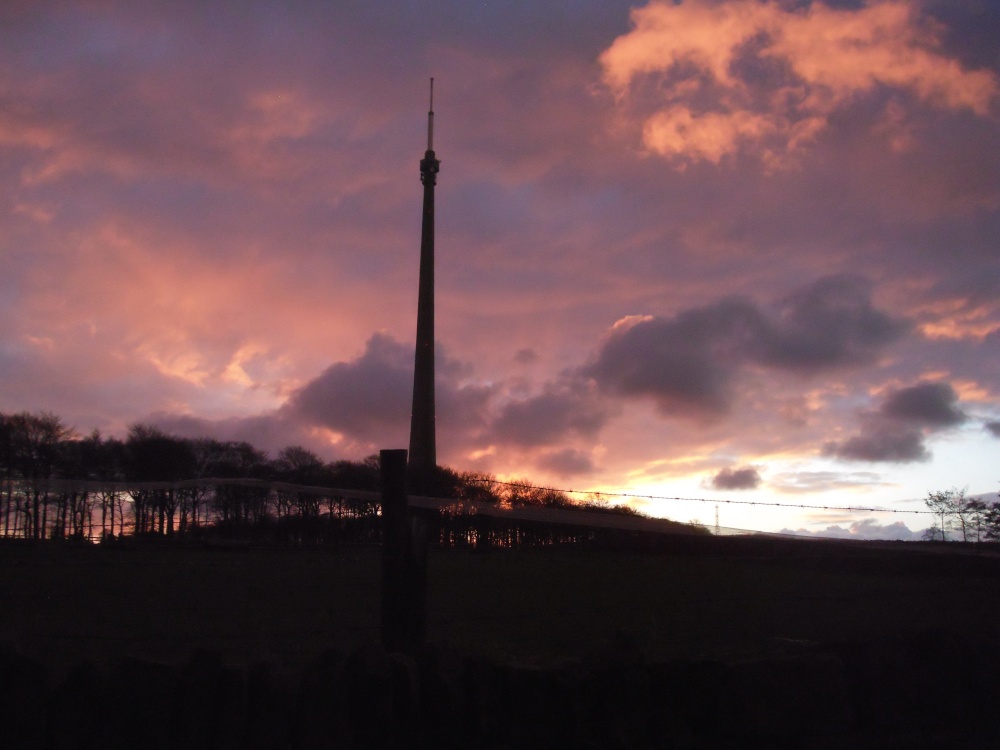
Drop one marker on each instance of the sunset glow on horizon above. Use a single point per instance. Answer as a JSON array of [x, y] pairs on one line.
[[733, 251]]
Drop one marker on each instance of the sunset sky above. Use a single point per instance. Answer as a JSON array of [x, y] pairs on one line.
[[723, 250]]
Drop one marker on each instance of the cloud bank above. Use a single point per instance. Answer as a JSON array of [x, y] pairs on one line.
[[866, 528], [897, 430], [687, 363]]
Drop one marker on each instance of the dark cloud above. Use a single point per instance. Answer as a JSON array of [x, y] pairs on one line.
[[366, 401], [993, 428], [970, 31], [671, 360], [567, 462], [525, 356], [830, 323], [559, 412], [882, 443], [369, 398], [897, 430], [928, 404], [366, 397], [687, 363], [743, 478]]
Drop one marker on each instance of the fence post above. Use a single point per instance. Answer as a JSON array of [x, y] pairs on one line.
[[404, 561]]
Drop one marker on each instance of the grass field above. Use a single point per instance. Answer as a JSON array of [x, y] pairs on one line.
[[63, 603]]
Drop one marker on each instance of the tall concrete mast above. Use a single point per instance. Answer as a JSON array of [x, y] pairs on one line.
[[423, 442]]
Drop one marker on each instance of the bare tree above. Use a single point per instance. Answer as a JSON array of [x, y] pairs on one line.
[[297, 465], [7, 466], [957, 512], [154, 456], [108, 467], [34, 444], [991, 522], [521, 492]]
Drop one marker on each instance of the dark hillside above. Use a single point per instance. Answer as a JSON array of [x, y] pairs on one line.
[[692, 642], [686, 596]]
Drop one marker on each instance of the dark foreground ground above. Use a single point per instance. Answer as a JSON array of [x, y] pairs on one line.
[[698, 598], [701, 643]]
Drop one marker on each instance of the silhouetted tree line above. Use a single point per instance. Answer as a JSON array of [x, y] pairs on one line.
[[971, 519], [59, 485]]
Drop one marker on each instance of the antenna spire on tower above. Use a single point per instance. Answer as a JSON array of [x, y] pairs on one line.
[[430, 121]]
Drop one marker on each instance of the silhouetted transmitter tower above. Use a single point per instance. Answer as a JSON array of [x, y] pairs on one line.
[[423, 449]]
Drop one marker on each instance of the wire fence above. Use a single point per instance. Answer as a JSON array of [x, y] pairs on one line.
[[723, 501], [294, 512], [592, 497]]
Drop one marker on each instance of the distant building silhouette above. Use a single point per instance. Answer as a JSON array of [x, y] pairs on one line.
[[423, 442]]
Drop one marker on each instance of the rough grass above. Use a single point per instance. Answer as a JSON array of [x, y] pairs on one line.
[[555, 604], [64, 603]]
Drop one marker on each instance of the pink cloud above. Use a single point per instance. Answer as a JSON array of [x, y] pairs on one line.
[[767, 77]]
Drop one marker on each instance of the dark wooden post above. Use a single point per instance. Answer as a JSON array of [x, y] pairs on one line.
[[404, 561]]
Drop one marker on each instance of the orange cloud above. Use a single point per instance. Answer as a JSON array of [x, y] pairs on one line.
[[974, 324], [714, 101], [710, 136], [957, 319], [143, 301]]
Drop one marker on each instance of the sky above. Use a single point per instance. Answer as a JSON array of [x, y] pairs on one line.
[[731, 251]]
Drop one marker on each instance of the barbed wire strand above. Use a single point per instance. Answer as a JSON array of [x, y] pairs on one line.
[[794, 506]]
